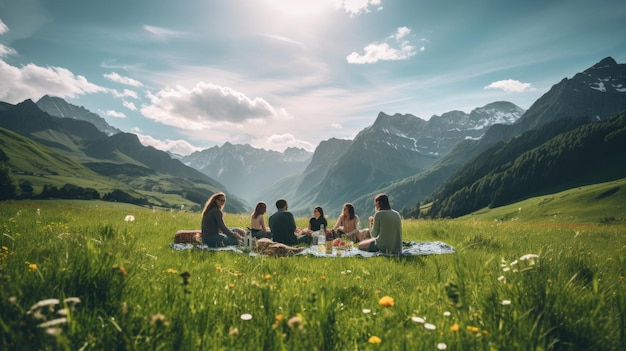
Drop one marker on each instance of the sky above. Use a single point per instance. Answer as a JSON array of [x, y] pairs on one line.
[[188, 75]]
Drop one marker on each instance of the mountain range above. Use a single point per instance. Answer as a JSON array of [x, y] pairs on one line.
[[411, 159]]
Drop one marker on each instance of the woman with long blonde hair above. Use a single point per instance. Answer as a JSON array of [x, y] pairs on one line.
[[215, 233]]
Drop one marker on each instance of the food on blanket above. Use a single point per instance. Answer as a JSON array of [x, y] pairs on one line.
[[269, 247], [342, 244]]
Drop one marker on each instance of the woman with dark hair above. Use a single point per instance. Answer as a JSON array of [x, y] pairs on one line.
[[215, 233], [348, 224], [257, 222], [317, 220], [386, 229]]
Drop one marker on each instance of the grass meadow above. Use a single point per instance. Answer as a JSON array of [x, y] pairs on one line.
[[76, 275]]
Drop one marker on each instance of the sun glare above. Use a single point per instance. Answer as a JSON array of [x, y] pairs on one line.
[[302, 8]]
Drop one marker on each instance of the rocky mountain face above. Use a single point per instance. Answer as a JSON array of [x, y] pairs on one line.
[[597, 93], [60, 108], [248, 171], [394, 147]]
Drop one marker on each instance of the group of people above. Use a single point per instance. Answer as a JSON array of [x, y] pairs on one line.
[[384, 233]]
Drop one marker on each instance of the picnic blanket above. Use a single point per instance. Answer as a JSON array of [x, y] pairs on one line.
[[410, 248]]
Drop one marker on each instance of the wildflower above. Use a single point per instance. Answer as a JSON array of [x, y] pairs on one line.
[[13, 299], [454, 328], [267, 276], [129, 218], [442, 346], [374, 340], [231, 285], [430, 326], [294, 322], [171, 270], [418, 320], [305, 279], [233, 332], [506, 269], [50, 303], [246, 316], [5, 248], [366, 310], [386, 301], [528, 257], [279, 317], [473, 329], [446, 314], [323, 277], [501, 278], [506, 302], [32, 267]]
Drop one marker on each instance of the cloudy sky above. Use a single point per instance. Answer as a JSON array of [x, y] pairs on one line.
[[191, 74]]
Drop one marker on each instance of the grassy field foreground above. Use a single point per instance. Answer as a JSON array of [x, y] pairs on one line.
[[84, 276]]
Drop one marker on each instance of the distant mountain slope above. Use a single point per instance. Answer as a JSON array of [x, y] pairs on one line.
[[591, 153], [556, 104], [121, 156], [60, 108], [249, 170]]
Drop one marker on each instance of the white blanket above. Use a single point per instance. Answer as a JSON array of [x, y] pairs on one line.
[[411, 248]]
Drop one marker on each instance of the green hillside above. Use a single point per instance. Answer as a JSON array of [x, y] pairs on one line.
[[597, 203], [40, 166]]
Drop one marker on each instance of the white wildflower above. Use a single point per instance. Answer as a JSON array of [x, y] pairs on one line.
[[246, 316], [430, 326], [501, 278], [528, 257], [442, 346], [418, 319], [446, 314], [53, 322], [129, 218], [506, 302]]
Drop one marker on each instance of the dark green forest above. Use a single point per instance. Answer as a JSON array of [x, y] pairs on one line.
[[548, 159]]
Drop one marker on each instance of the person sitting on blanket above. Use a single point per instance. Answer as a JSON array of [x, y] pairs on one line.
[[386, 230], [316, 221], [257, 222], [348, 224], [215, 233], [283, 226]]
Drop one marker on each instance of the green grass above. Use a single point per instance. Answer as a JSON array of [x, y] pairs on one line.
[[483, 297]]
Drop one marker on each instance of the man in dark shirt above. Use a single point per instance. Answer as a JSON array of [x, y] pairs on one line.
[[283, 226]]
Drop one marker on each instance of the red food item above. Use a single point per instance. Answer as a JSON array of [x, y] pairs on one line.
[[336, 242]]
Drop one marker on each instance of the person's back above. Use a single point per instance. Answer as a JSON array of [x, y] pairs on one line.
[[388, 229], [283, 225]]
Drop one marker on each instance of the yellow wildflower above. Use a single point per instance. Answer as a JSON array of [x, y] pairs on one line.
[[386, 301], [473, 329], [374, 340], [267, 276], [32, 267], [454, 328], [172, 271]]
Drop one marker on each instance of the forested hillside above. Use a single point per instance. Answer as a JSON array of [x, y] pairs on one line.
[[590, 153]]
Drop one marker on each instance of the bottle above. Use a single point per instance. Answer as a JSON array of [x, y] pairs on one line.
[[321, 240], [329, 243]]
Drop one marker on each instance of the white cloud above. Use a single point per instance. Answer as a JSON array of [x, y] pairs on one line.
[[163, 33], [179, 147], [125, 93], [357, 7], [288, 140], [32, 82], [510, 85], [114, 77], [3, 27], [393, 48], [6, 51], [336, 125], [129, 105], [115, 114], [204, 106]]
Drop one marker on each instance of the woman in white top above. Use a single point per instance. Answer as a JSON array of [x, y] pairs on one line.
[[257, 222], [348, 223]]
